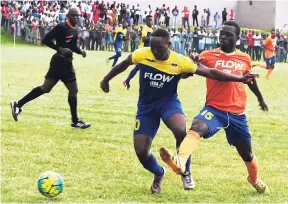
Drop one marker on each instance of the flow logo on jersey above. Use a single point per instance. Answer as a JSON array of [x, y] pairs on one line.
[[228, 65], [158, 77], [157, 80]]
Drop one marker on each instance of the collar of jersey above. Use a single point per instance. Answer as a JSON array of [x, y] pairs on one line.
[[70, 25], [222, 52]]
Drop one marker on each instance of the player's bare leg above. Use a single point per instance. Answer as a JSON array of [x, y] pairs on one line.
[[270, 69], [177, 124], [245, 151]]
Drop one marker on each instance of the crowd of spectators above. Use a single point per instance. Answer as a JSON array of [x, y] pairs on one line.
[[31, 20]]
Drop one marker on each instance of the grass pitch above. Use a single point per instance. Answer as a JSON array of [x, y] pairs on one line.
[[99, 164]]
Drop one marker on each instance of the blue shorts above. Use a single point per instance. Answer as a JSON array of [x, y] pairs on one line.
[[148, 116], [118, 50], [235, 126], [270, 61]]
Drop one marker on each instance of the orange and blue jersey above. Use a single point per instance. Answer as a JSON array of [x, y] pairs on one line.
[[270, 44], [226, 96]]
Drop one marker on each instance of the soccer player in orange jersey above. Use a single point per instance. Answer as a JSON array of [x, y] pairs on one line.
[[269, 51], [224, 108]]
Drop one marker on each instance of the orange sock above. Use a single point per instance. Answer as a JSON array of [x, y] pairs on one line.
[[252, 168], [269, 73], [189, 143]]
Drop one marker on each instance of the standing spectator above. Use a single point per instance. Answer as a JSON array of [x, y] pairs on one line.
[[257, 46], [175, 40], [195, 16], [202, 38], [182, 36], [34, 31], [208, 16], [195, 43], [148, 11], [175, 13], [186, 17], [167, 17], [232, 14], [208, 41], [132, 14], [96, 14], [285, 46], [203, 19], [138, 14], [224, 16], [156, 14], [41, 31], [243, 41], [250, 42], [216, 18]]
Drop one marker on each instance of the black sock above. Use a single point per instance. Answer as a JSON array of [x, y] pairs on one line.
[[36, 92], [72, 100]]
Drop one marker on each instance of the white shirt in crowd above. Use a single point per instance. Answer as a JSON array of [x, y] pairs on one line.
[[202, 40], [204, 17], [138, 10], [209, 39], [257, 40], [238, 42]]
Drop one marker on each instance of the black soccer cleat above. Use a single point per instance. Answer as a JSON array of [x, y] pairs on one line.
[[80, 124], [15, 110]]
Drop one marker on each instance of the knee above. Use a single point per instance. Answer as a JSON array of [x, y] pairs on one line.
[[73, 92], [119, 54], [200, 127], [247, 156], [46, 89]]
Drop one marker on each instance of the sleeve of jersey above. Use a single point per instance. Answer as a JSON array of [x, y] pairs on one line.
[[136, 56], [188, 65]]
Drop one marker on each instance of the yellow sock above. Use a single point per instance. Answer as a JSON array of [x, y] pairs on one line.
[[252, 168], [189, 143], [269, 73]]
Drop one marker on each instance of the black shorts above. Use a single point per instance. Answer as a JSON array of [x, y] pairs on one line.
[[61, 69]]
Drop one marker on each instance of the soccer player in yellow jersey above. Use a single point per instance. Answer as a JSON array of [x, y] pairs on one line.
[[160, 71], [144, 42], [120, 36]]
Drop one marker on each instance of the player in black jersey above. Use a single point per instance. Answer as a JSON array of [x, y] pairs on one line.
[[61, 67]]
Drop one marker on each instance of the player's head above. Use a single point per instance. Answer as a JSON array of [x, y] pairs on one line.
[[229, 34], [273, 33], [124, 24], [73, 15], [159, 43], [149, 21]]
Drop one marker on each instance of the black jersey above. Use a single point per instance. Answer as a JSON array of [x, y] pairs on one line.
[[65, 35]]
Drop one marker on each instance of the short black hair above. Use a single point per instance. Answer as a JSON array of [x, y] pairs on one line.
[[234, 24], [160, 32], [148, 16], [273, 30]]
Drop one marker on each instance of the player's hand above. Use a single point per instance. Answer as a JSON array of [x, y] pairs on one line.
[[263, 105], [83, 53], [194, 57], [126, 84], [105, 86], [248, 78], [65, 51]]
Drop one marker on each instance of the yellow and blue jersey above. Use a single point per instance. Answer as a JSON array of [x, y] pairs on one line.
[[159, 79], [120, 34], [146, 32]]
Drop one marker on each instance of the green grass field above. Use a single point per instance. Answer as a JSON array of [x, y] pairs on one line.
[[99, 164]]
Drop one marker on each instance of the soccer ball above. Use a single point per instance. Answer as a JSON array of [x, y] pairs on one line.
[[50, 184]]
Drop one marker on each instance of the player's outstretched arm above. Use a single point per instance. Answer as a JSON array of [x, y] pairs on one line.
[[255, 89], [222, 76], [117, 69]]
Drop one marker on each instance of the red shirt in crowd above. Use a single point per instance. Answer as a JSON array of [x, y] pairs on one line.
[[250, 40]]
